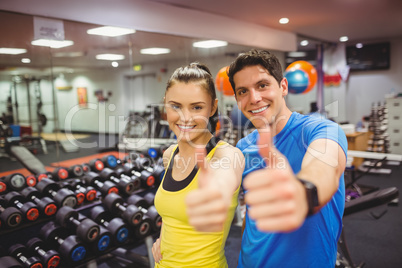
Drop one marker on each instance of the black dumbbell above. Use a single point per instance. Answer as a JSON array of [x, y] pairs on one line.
[[75, 171], [102, 242], [133, 176], [10, 217], [87, 229], [31, 180], [115, 204], [9, 262], [62, 197], [82, 193], [96, 165], [3, 186], [70, 247], [105, 188], [29, 209], [145, 204], [50, 258], [20, 252], [15, 181], [46, 205], [118, 228], [124, 183], [59, 174]]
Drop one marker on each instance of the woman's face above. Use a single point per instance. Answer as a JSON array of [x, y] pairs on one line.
[[188, 108]]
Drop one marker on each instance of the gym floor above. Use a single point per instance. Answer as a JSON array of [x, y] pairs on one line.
[[376, 242]]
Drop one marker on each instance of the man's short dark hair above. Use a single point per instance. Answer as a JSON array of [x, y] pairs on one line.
[[256, 57]]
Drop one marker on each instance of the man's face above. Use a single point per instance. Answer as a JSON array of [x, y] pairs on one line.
[[259, 96]]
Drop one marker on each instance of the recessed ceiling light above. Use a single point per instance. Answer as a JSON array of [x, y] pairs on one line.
[[304, 43], [343, 38], [115, 64], [110, 31], [284, 21], [110, 57], [25, 60], [155, 51], [52, 43], [359, 45], [210, 44], [12, 51]]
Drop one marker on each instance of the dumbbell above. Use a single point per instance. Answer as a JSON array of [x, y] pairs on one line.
[[28, 209], [75, 171], [96, 165], [145, 177], [3, 186], [10, 217], [118, 228], [31, 180], [59, 174], [145, 204], [110, 161], [49, 258], [123, 182], [133, 176], [20, 252], [62, 197], [115, 204], [70, 247], [9, 262], [105, 188], [46, 205], [102, 242], [15, 181], [87, 229], [82, 193]]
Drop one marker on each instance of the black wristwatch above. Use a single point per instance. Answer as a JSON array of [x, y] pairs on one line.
[[311, 194]]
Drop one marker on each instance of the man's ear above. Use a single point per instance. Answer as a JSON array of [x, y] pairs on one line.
[[215, 106], [284, 86]]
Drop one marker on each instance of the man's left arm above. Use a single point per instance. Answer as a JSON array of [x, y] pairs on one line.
[[323, 165]]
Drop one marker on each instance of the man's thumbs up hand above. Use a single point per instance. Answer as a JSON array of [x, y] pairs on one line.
[[276, 199]]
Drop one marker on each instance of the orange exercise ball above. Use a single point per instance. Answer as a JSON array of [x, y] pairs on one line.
[[309, 69], [222, 82]]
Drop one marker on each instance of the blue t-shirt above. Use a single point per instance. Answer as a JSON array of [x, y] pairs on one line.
[[314, 244]]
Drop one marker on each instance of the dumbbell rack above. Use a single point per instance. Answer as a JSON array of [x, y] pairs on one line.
[[123, 253]]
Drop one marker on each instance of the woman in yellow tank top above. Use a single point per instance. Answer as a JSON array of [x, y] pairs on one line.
[[198, 194]]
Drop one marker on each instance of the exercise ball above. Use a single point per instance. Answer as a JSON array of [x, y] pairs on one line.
[[298, 81], [222, 82], [239, 119], [309, 69]]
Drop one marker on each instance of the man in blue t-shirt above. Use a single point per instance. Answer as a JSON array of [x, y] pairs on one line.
[[293, 176]]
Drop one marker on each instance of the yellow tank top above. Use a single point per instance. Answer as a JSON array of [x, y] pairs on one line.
[[181, 245]]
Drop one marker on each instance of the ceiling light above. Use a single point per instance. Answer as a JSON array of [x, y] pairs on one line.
[[12, 51], [115, 64], [359, 45], [68, 54], [304, 43], [110, 57], [343, 38], [52, 43], [284, 21], [297, 54], [110, 31], [210, 44], [25, 60], [155, 51]]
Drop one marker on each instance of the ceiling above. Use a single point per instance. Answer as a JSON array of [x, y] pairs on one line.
[[320, 21]]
